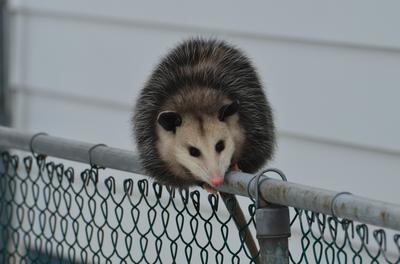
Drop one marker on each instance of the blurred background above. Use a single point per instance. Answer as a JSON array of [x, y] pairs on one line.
[[331, 71]]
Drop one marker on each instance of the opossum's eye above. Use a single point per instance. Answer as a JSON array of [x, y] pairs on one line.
[[195, 152], [220, 146]]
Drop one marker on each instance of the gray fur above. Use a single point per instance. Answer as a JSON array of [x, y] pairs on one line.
[[214, 64]]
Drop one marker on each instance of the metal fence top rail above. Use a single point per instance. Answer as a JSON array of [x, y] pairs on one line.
[[343, 205]]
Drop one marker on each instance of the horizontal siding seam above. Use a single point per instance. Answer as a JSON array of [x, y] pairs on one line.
[[196, 30]]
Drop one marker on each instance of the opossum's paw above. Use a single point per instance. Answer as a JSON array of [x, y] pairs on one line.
[[235, 167], [209, 188]]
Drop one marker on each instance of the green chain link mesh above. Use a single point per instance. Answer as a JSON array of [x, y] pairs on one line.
[[49, 214]]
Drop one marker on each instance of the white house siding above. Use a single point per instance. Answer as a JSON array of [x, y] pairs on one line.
[[331, 71]]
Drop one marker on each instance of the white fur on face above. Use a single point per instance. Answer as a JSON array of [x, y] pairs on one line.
[[174, 148]]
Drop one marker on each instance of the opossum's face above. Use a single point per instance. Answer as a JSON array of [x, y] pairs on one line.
[[199, 147]]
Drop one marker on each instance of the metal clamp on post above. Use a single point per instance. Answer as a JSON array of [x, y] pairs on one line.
[[273, 226], [273, 222]]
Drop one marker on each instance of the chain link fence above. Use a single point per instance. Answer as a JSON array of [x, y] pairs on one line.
[[325, 239], [51, 213]]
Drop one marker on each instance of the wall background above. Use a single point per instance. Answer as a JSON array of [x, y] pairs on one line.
[[331, 71]]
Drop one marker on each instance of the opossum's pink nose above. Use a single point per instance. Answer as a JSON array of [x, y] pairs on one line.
[[216, 180]]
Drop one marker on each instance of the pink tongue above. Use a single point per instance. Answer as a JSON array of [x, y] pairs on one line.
[[216, 181]]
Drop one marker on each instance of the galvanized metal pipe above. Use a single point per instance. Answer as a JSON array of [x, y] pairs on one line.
[[274, 250], [4, 63], [274, 191], [108, 157]]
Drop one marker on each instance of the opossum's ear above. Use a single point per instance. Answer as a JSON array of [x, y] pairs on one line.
[[169, 120], [228, 110]]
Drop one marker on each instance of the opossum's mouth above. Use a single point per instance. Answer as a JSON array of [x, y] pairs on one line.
[[214, 182], [207, 187]]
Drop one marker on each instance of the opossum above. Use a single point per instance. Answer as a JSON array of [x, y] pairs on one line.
[[202, 111]]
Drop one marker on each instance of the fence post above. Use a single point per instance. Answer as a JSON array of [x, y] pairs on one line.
[[273, 231], [4, 120]]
